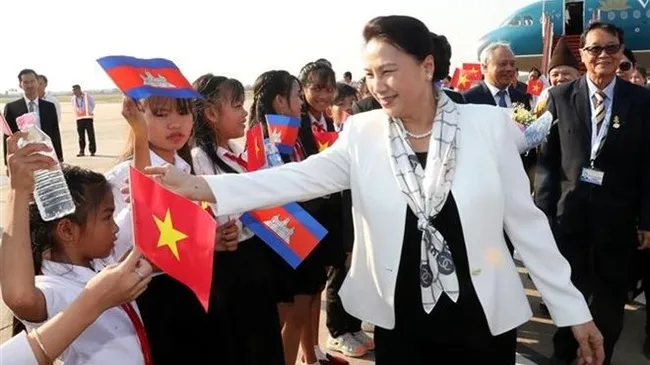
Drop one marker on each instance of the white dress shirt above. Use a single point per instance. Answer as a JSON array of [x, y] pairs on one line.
[[17, 351], [360, 161], [204, 166], [609, 101], [494, 90], [110, 340]]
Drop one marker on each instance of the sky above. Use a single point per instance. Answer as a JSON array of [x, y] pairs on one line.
[[237, 38]]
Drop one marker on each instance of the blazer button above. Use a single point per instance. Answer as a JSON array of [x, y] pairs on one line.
[[476, 272]]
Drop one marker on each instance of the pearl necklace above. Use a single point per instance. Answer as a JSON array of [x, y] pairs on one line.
[[419, 136]]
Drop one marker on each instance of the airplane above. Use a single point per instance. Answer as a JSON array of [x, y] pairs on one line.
[[523, 29]]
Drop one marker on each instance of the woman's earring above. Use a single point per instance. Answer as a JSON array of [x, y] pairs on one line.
[[430, 77]]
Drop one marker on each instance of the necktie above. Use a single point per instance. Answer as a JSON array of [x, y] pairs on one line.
[[140, 332], [502, 98], [31, 106], [599, 108]]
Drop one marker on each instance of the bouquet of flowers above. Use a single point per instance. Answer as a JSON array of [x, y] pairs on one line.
[[522, 116], [536, 132]]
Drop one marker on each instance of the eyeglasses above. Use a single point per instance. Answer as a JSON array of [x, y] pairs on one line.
[[598, 50], [625, 66]]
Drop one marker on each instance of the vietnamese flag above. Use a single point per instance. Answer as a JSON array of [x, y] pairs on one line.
[[255, 150], [174, 233], [283, 131], [474, 71], [461, 80], [325, 139], [535, 87]]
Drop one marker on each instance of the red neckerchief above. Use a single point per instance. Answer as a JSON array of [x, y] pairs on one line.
[[299, 153], [317, 124], [237, 159], [140, 332]]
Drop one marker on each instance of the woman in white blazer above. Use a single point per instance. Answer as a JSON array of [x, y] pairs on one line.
[[433, 186]]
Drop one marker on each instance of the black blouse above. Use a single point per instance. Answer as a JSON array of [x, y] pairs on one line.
[[448, 322]]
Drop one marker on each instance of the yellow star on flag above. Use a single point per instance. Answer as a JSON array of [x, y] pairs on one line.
[[257, 148], [536, 88], [205, 205], [473, 70], [463, 80], [169, 236], [322, 146]]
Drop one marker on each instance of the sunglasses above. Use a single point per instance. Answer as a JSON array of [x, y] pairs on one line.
[[625, 66], [598, 50]]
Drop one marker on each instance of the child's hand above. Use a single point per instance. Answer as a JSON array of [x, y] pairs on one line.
[[121, 283], [22, 162], [228, 237], [133, 112]]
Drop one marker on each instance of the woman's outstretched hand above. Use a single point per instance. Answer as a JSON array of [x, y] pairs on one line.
[[190, 186]]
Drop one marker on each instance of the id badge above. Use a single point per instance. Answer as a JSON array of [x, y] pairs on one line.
[[592, 176]]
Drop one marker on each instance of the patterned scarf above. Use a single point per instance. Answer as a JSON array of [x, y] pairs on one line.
[[426, 191]]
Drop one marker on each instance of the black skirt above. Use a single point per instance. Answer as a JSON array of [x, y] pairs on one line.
[[243, 317], [175, 322]]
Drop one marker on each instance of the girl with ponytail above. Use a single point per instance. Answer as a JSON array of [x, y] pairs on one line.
[[243, 317]]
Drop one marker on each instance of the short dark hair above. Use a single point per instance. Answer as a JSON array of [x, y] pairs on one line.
[[347, 74], [413, 37], [630, 55], [607, 27], [642, 70], [42, 77], [343, 91], [322, 60], [535, 69], [24, 72], [76, 86]]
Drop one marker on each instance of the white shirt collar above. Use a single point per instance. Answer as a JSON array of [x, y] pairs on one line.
[[609, 89], [79, 274], [27, 100], [179, 163], [322, 122], [494, 90]]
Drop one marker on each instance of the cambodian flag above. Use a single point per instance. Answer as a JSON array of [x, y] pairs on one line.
[[283, 131], [289, 230], [142, 78]]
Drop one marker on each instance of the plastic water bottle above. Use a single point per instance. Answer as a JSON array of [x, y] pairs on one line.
[[51, 192], [273, 157]]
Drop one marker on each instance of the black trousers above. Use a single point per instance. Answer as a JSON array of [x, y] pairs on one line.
[[397, 347], [339, 322], [86, 126], [600, 269]]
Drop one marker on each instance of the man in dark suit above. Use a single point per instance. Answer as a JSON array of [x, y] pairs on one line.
[[499, 68], [47, 120], [593, 182]]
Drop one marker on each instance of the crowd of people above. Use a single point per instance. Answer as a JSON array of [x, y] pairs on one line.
[[416, 245]]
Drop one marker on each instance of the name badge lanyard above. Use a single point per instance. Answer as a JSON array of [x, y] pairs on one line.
[[599, 142]]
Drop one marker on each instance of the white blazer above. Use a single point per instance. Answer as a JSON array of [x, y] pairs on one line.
[[491, 191]]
